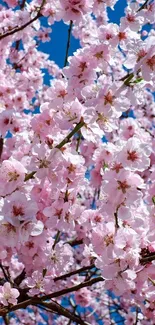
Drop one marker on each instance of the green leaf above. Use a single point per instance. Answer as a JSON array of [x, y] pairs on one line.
[[105, 166], [138, 80], [153, 199]]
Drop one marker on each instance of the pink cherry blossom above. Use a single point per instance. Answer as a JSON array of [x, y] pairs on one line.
[[12, 175], [16, 212], [77, 163], [135, 155], [74, 9], [8, 295], [83, 297], [38, 284]]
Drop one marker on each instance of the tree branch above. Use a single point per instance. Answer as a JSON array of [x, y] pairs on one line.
[[74, 242], [82, 269], [36, 301], [136, 320], [57, 237], [69, 136], [152, 281], [60, 145], [68, 43], [143, 6], [1, 146], [147, 259], [54, 306], [129, 78], [116, 219], [128, 75], [18, 29], [4, 273], [72, 289], [22, 5], [29, 176], [6, 320]]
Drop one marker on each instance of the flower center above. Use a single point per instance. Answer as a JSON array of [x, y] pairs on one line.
[[17, 211], [123, 186], [132, 155], [13, 176], [151, 62]]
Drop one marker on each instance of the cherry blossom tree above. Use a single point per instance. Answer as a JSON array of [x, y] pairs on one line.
[[77, 165]]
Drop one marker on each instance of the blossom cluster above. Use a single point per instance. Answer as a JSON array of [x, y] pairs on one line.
[[77, 164]]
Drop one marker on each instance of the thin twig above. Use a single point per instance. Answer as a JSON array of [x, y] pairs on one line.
[[147, 259], [54, 306], [126, 76], [152, 281], [29, 176], [129, 78], [74, 242], [74, 306], [142, 127], [136, 320], [4, 272], [116, 219], [68, 43], [143, 6], [94, 198], [6, 320], [36, 301], [82, 269], [69, 136], [18, 29], [72, 289], [57, 237], [1, 146], [78, 140], [22, 5], [61, 144]]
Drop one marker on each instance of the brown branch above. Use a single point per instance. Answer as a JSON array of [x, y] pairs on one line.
[[54, 306], [152, 281], [6, 320], [18, 29], [78, 141], [75, 242], [74, 306], [128, 75], [143, 6], [136, 320], [116, 219], [22, 5], [36, 301], [4, 273], [72, 289], [129, 78], [147, 259], [29, 176], [61, 144], [142, 127], [82, 269], [68, 43], [57, 238], [1, 146], [20, 277], [69, 136]]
